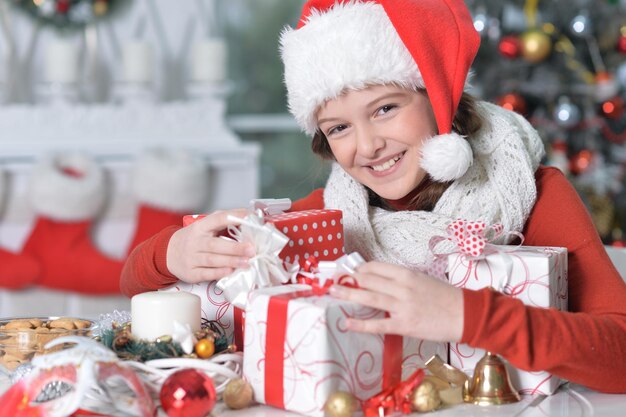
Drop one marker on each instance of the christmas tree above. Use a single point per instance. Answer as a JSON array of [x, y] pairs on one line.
[[562, 64]]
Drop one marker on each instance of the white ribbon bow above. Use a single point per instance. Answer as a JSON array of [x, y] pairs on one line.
[[266, 268]]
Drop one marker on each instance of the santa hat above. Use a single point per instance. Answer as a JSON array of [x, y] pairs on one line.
[[352, 44]]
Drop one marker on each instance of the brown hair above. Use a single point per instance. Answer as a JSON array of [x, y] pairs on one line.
[[467, 122]]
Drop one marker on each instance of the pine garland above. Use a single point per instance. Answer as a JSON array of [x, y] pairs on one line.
[[121, 341], [70, 14]]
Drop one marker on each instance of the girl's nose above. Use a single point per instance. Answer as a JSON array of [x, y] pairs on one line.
[[368, 143]]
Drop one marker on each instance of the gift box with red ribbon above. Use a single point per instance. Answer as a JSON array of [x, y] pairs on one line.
[[317, 233], [535, 275], [298, 351]]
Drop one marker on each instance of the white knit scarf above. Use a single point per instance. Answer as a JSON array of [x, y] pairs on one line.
[[498, 188]]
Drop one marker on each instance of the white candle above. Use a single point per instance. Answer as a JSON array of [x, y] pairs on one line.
[[209, 58], [138, 62], [153, 313], [61, 62]]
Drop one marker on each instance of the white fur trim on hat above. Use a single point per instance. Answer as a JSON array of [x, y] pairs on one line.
[[350, 46], [65, 197], [446, 157], [175, 180]]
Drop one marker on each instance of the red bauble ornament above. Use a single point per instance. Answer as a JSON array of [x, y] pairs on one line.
[[613, 108], [510, 46], [63, 6], [581, 161], [618, 244], [621, 44], [514, 102], [188, 393]]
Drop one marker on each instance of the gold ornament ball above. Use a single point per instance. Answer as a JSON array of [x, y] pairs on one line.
[[205, 348], [340, 404], [238, 394], [425, 398], [536, 45], [100, 7]]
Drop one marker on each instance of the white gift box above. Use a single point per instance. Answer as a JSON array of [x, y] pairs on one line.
[[312, 355], [535, 275], [214, 307]]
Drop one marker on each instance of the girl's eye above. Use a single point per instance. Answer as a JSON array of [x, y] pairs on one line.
[[336, 129], [385, 109]]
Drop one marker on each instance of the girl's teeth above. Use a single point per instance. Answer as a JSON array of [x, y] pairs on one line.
[[386, 165]]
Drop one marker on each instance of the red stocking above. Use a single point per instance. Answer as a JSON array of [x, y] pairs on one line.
[[67, 192], [167, 184], [16, 270]]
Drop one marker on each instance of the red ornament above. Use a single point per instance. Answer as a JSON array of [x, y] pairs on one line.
[[63, 6], [188, 393], [613, 108], [513, 102], [580, 162], [621, 44], [510, 46], [618, 244]]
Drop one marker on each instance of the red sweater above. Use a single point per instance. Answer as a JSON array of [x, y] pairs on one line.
[[586, 345]]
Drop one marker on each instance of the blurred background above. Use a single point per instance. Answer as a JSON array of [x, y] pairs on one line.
[[115, 79]]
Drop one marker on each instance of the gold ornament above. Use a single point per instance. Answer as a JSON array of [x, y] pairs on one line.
[[164, 339], [491, 384], [602, 210], [536, 45], [425, 398], [100, 7], [340, 404], [205, 348], [238, 394], [438, 382]]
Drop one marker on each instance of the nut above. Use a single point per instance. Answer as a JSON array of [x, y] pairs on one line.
[[63, 323], [24, 338]]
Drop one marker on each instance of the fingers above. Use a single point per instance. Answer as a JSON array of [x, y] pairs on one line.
[[377, 326], [219, 220], [215, 260], [227, 247], [365, 297], [376, 283]]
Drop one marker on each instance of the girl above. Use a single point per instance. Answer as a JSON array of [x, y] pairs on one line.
[[379, 85]]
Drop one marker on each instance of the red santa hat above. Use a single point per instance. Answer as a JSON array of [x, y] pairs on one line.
[[351, 44]]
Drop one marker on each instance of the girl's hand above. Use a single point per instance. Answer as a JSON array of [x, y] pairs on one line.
[[419, 306], [196, 253]]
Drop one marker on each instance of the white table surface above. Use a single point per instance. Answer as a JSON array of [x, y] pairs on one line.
[[569, 401]]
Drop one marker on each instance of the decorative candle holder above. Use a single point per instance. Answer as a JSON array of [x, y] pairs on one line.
[[60, 85], [136, 83], [208, 66]]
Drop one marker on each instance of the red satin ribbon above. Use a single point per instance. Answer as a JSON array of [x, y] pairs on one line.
[[311, 267], [275, 336], [239, 326], [395, 399]]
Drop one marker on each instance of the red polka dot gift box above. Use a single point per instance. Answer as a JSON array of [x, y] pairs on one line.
[[317, 233]]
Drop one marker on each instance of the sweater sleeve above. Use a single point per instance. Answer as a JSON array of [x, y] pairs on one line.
[[315, 200], [146, 266], [585, 345]]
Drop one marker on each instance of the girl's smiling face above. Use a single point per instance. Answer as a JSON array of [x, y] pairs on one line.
[[376, 135]]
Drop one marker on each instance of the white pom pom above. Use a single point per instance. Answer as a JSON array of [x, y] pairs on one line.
[[171, 179], [446, 157], [60, 195]]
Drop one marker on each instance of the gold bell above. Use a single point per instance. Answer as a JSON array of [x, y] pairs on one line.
[[491, 384]]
